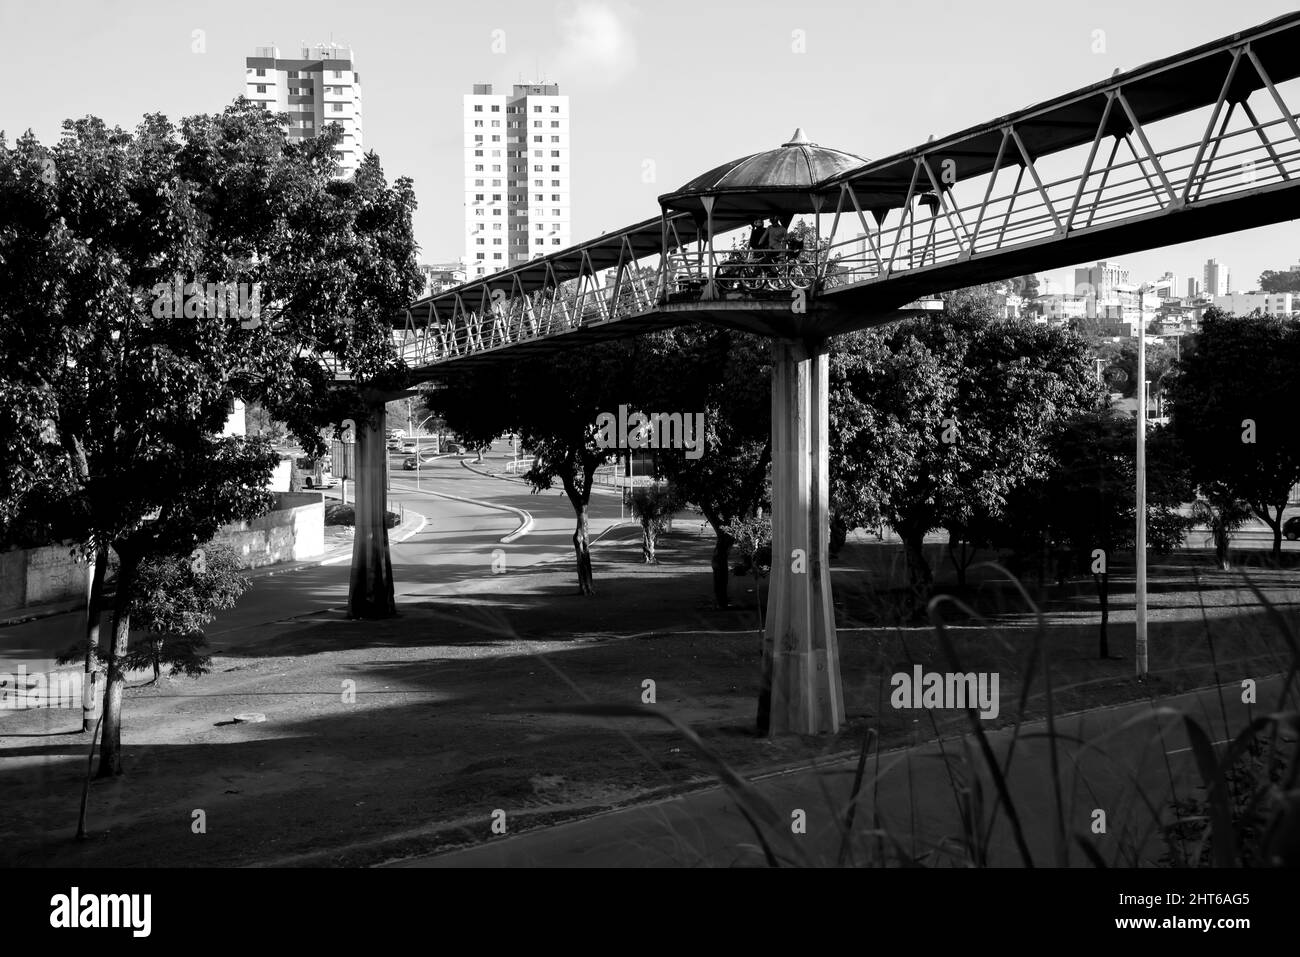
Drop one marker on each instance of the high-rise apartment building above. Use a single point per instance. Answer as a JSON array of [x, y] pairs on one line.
[[1193, 287], [517, 200], [1218, 279], [321, 87]]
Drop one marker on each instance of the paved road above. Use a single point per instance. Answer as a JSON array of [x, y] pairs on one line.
[[455, 545], [915, 798]]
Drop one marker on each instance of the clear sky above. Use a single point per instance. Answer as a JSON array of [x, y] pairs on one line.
[[684, 84]]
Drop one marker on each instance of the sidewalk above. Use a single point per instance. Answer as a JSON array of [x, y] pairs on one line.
[[339, 551]]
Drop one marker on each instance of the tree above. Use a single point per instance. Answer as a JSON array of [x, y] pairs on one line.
[[1119, 365], [653, 506], [1234, 412], [726, 375], [172, 598], [130, 352], [1271, 280], [1084, 508], [936, 421]]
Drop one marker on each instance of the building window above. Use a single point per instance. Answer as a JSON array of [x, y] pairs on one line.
[[337, 74], [496, 123], [496, 242], [480, 255], [478, 182], [555, 154], [541, 242], [556, 214], [496, 154], [496, 197], [496, 108], [478, 212], [496, 182], [478, 152], [261, 88], [555, 198], [537, 109], [555, 169], [555, 109], [496, 139], [478, 168], [537, 154], [537, 182], [261, 72], [496, 255], [478, 138], [478, 242], [336, 107], [478, 107], [536, 124], [478, 124], [555, 242], [537, 169], [537, 139], [554, 124], [555, 182], [496, 212]]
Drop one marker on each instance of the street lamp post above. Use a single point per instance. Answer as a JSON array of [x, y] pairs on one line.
[[1140, 538]]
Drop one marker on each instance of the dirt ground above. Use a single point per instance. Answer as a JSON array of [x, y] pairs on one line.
[[460, 704]]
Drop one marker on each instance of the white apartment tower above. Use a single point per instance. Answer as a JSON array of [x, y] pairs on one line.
[[321, 87], [517, 203]]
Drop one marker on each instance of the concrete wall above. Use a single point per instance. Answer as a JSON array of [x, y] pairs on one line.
[[42, 576], [293, 531]]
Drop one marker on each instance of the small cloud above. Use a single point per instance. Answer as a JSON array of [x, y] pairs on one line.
[[595, 39]]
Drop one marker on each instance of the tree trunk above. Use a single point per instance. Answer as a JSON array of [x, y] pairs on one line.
[[919, 576], [110, 752], [648, 544], [1221, 540], [94, 612], [959, 564], [1277, 542], [1103, 594], [582, 549], [721, 572]]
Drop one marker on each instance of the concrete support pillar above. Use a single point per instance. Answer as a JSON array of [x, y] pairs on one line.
[[370, 593], [801, 661]]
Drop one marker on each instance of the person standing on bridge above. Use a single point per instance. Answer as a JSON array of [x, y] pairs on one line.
[[777, 236]]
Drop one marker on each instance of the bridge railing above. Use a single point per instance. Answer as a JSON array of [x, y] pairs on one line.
[[1019, 204]]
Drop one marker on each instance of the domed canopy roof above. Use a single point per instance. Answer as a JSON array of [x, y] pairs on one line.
[[778, 180]]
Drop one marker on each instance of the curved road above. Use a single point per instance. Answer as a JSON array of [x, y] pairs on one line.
[[455, 546]]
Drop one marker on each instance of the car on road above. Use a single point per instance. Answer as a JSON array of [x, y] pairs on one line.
[[409, 463], [1291, 528], [452, 447]]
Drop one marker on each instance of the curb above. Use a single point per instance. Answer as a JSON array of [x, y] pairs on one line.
[[346, 555]]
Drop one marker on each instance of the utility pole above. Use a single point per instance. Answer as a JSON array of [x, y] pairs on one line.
[[1140, 539]]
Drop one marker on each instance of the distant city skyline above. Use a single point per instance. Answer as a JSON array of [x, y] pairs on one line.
[[649, 123]]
